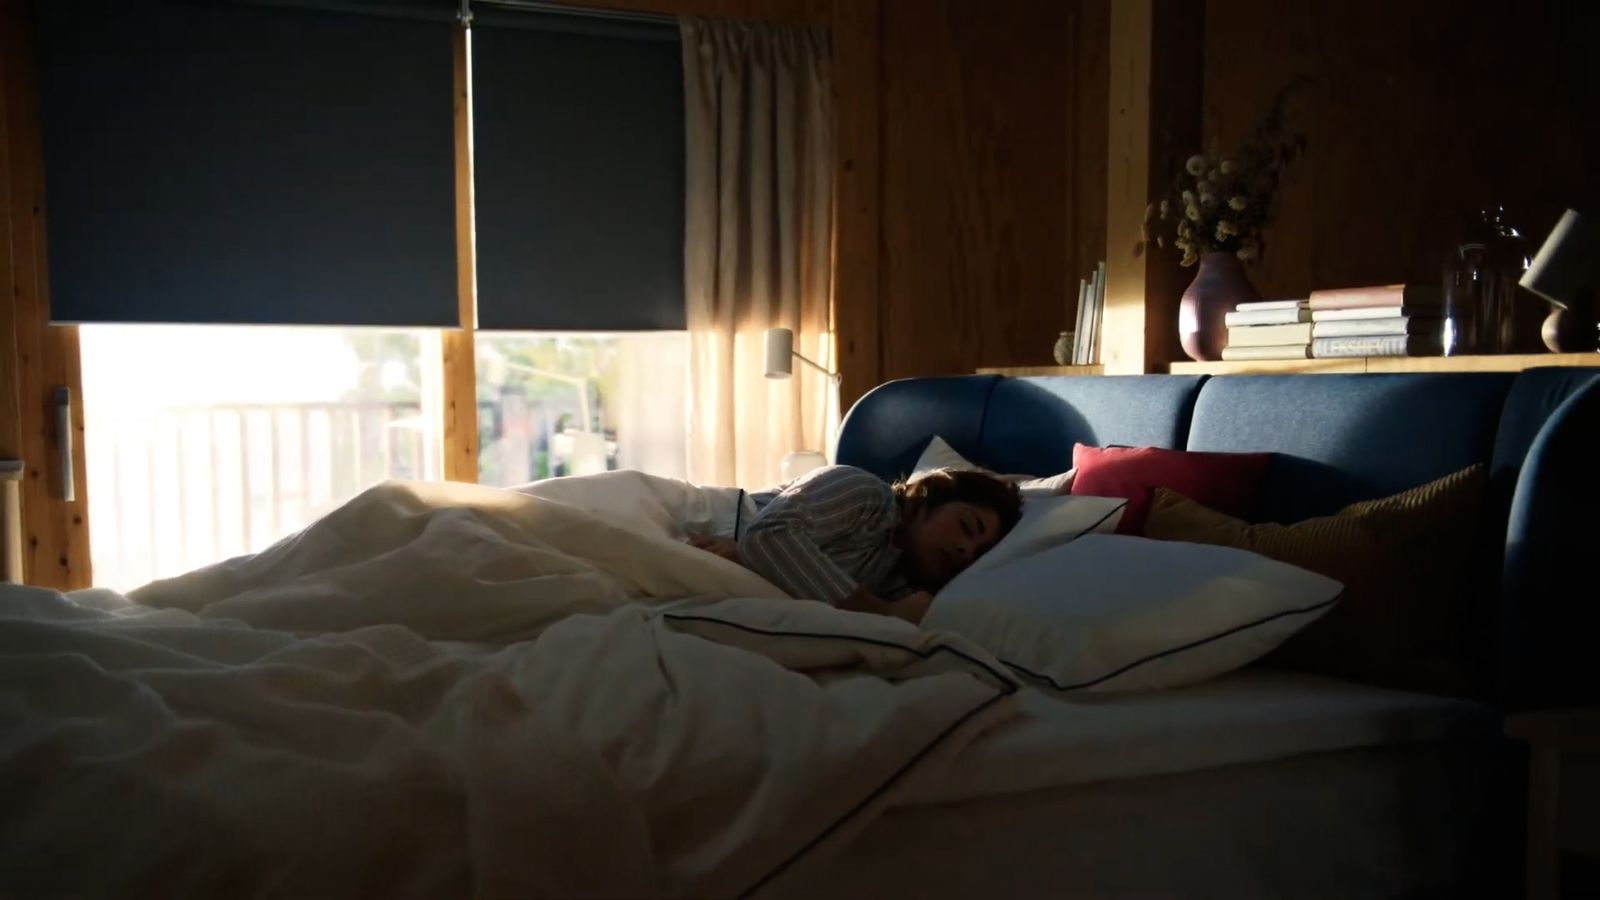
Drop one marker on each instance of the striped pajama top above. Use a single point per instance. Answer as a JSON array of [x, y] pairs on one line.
[[825, 534]]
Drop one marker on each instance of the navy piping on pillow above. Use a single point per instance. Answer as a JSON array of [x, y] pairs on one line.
[[1171, 650], [1007, 687], [1116, 509]]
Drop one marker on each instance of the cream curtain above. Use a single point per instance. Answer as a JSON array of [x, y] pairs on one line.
[[758, 249]]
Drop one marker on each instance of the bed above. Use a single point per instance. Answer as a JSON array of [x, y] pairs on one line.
[[1416, 808], [1259, 784], [456, 690]]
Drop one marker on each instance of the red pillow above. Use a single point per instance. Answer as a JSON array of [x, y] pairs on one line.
[[1226, 482]]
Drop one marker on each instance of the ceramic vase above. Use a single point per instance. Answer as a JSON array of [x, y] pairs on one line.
[[1063, 349], [1218, 287]]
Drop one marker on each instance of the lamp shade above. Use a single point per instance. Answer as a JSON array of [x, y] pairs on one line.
[[780, 352], [1568, 262]]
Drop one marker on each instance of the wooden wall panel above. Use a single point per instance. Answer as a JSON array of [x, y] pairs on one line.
[[1086, 112], [975, 172], [1153, 124], [857, 176], [10, 411], [458, 346], [56, 533], [1420, 112]]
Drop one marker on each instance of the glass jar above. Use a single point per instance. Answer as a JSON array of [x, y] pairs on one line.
[[1480, 286]]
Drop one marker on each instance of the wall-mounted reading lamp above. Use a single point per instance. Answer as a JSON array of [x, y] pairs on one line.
[[781, 353], [780, 364]]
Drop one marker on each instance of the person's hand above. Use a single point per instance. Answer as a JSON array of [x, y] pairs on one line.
[[912, 607], [725, 547]]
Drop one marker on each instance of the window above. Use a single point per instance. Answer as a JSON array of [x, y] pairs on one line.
[[210, 441], [205, 442], [575, 404]]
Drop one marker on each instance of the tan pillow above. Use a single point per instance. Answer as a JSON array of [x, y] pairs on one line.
[[1406, 562]]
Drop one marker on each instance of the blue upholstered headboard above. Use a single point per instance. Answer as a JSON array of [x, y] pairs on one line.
[[1014, 425], [1336, 439]]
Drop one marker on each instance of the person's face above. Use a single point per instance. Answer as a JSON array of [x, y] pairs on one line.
[[937, 544]]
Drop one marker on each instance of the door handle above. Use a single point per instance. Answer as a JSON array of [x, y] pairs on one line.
[[64, 442]]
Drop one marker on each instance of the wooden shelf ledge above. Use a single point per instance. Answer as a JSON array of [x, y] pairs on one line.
[[1031, 371], [1510, 362]]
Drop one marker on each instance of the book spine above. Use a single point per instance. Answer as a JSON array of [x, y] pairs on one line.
[[1269, 335], [1374, 327], [1295, 351], [1381, 295], [1097, 307], [1370, 312], [1080, 336], [1289, 316], [1344, 298], [1256, 305], [1088, 317], [1390, 345]]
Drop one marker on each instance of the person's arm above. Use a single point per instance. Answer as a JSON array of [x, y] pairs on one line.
[[725, 547], [785, 544], [911, 607]]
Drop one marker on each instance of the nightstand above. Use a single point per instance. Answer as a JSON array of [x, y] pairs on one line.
[[1563, 791]]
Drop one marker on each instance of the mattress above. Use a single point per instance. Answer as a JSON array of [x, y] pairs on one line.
[[1259, 784], [1252, 715], [1377, 822]]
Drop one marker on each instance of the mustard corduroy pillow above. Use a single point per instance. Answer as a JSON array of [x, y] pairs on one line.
[[1407, 565]]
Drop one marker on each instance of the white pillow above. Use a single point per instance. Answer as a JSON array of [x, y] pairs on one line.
[[1116, 613], [1050, 522], [940, 455]]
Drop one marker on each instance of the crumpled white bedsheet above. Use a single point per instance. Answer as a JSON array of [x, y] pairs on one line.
[[656, 721]]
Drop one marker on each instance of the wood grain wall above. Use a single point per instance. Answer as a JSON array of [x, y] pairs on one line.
[[1419, 113], [1153, 122], [993, 178]]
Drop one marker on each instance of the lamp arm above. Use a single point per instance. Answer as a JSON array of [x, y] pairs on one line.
[[832, 376]]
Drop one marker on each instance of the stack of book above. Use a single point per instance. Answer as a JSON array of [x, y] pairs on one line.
[[1269, 329], [1388, 320], [1091, 304]]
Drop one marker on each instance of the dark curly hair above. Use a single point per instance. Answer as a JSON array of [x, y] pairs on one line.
[[931, 490]]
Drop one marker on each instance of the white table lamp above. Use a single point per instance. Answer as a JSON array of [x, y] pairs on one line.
[[1566, 272]]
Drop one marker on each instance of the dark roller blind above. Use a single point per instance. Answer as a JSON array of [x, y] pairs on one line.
[[210, 162], [425, 10], [578, 156]]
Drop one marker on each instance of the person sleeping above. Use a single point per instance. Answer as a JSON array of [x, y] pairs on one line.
[[844, 536]]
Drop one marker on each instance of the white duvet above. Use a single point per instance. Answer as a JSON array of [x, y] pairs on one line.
[[447, 690], [656, 721]]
